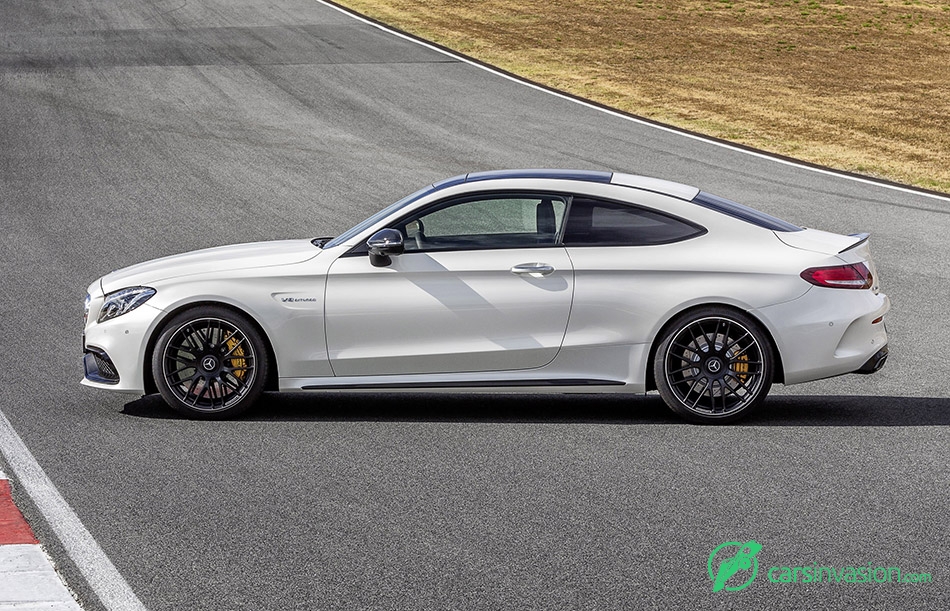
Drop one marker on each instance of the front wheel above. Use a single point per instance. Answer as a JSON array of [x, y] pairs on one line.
[[714, 365], [210, 362]]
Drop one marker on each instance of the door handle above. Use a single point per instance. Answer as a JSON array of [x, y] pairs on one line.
[[535, 270]]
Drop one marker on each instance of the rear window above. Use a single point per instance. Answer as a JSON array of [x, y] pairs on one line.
[[592, 222], [745, 213]]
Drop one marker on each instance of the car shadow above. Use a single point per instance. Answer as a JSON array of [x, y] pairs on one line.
[[812, 410]]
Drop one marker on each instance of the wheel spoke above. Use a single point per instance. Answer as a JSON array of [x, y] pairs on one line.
[[219, 392], [691, 380], [238, 387], [700, 395], [194, 384], [193, 339], [169, 376], [711, 337], [736, 355], [204, 387], [725, 336], [743, 362], [236, 346], [742, 337], [681, 370], [740, 383], [208, 336], [702, 334], [724, 394], [227, 382], [732, 391], [686, 348]]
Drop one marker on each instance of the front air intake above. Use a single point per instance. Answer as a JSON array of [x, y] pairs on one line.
[[99, 367]]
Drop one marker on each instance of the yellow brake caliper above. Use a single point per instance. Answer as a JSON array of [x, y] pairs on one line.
[[236, 357], [741, 367]]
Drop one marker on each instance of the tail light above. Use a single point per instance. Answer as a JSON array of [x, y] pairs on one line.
[[856, 276]]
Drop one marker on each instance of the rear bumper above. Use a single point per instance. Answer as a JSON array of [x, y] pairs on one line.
[[829, 332]]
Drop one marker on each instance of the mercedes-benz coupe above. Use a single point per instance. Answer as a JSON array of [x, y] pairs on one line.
[[534, 281]]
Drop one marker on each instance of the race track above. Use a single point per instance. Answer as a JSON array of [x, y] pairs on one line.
[[132, 130]]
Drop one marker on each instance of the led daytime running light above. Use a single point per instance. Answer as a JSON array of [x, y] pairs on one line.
[[124, 301]]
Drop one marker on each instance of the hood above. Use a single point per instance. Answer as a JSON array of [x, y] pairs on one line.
[[816, 240], [220, 259]]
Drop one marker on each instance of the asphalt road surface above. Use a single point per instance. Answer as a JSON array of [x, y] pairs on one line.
[[131, 130]]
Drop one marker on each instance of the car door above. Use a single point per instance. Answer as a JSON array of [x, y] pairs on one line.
[[483, 285]]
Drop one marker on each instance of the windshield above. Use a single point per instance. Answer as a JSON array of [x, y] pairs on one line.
[[366, 224]]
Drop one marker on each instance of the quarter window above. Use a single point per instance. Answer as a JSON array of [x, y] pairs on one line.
[[593, 222]]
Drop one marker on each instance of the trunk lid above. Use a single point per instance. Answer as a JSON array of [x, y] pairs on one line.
[[824, 242]]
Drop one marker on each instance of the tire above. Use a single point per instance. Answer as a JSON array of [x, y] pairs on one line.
[[714, 365], [210, 362]]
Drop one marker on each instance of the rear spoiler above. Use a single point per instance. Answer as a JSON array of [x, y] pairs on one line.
[[862, 238]]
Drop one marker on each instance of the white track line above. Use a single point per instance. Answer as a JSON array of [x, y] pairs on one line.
[[92, 562], [633, 119]]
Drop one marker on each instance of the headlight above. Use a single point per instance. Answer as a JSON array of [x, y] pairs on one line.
[[85, 309], [125, 300]]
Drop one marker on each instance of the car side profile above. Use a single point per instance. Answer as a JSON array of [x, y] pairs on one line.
[[514, 281]]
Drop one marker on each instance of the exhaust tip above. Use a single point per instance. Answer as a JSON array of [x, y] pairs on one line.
[[874, 363]]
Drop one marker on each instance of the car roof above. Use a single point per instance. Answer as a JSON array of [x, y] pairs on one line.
[[645, 183]]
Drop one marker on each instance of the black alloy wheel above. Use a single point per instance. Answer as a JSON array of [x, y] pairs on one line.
[[714, 365], [210, 362]]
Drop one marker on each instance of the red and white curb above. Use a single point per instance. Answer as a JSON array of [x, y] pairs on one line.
[[27, 577]]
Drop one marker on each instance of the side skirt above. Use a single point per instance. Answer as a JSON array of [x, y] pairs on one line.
[[465, 384]]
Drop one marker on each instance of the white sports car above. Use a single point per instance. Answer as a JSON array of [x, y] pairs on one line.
[[514, 281]]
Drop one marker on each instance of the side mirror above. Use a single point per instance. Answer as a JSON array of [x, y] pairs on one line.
[[384, 244]]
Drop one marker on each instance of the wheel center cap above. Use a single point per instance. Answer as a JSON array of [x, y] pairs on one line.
[[209, 363], [714, 365]]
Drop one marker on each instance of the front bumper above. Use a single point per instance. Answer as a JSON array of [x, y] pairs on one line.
[[114, 351]]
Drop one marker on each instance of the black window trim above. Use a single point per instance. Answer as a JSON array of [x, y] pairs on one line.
[[362, 249]]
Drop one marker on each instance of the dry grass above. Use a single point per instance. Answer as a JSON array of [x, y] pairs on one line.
[[860, 85]]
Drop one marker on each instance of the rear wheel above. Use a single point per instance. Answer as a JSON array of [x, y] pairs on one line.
[[210, 362], [714, 365]]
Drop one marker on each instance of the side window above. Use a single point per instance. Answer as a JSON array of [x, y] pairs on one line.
[[594, 222], [495, 221]]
